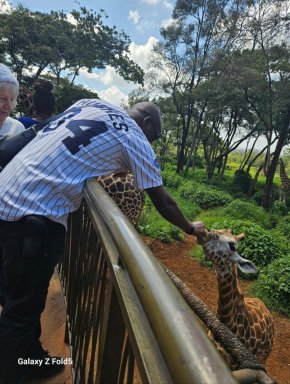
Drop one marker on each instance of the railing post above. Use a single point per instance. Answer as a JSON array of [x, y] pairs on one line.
[[112, 335]]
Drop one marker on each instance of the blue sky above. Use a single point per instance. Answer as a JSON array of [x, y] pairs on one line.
[[140, 19]]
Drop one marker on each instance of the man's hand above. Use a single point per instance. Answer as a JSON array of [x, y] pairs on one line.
[[199, 229]]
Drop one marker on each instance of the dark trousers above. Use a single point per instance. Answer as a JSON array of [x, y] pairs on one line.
[[31, 248]]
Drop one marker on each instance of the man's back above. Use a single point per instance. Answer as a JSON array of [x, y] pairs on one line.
[[91, 138]]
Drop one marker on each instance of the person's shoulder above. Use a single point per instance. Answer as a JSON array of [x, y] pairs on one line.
[[27, 121], [12, 126]]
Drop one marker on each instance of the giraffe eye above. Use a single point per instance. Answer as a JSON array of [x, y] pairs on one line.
[[233, 246]]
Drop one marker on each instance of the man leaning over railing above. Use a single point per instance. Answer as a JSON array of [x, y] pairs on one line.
[[41, 185]]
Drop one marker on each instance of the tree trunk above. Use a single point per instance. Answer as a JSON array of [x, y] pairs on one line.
[[268, 190]]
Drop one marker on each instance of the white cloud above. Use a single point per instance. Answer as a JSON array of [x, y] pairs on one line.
[[134, 16], [109, 84], [166, 23], [151, 1], [71, 19], [113, 95], [167, 4], [141, 53], [4, 6]]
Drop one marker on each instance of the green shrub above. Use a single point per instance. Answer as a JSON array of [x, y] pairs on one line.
[[279, 208], [284, 226], [189, 208], [242, 180], [165, 233], [171, 179], [258, 197], [273, 285], [259, 244], [198, 254], [153, 225], [245, 210], [204, 196]]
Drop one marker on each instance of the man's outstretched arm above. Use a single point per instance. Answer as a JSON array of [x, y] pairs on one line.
[[169, 209]]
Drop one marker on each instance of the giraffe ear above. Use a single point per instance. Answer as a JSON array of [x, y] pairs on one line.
[[244, 265]]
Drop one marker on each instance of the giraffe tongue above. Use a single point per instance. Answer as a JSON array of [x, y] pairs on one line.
[[244, 265]]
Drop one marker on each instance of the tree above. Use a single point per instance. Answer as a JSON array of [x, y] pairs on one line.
[[35, 42], [268, 95], [198, 29]]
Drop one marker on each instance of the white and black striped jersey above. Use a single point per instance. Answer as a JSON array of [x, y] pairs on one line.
[[91, 138]]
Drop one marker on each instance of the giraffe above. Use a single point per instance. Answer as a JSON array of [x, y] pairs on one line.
[[24, 101], [247, 318], [121, 189], [285, 182]]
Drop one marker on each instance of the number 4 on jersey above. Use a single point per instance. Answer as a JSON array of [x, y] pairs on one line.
[[82, 137]]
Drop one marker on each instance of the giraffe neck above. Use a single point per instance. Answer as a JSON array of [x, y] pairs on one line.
[[231, 300], [283, 174]]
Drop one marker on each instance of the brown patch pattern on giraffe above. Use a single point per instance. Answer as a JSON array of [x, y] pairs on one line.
[[122, 190], [247, 318], [285, 182], [24, 101]]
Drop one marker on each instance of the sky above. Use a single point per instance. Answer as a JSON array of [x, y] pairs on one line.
[[139, 19]]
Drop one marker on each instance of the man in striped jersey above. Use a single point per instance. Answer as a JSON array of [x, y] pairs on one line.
[[44, 182]]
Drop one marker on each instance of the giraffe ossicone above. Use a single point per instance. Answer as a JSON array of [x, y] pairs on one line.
[[247, 318]]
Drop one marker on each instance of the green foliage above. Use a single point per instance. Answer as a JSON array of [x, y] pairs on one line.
[[198, 254], [212, 216], [157, 228], [284, 226], [67, 94], [245, 210], [153, 225], [171, 179], [273, 285], [258, 197], [259, 244], [155, 231], [206, 197], [279, 208], [242, 180], [189, 209]]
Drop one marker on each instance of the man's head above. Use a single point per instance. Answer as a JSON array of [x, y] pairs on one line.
[[147, 115]]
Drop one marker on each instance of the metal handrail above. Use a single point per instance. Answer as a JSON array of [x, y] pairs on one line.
[[164, 336]]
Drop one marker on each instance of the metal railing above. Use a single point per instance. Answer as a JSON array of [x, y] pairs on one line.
[[126, 321]]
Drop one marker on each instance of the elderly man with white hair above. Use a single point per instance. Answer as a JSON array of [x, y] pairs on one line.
[[8, 97]]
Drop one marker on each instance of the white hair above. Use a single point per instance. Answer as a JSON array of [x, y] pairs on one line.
[[6, 76]]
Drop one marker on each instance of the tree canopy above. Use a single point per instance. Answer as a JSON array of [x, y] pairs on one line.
[[34, 42]]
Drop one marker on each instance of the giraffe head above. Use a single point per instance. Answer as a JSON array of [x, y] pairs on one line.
[[220, 246]]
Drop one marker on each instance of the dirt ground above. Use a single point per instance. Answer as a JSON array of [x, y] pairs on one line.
[[202, 281]]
